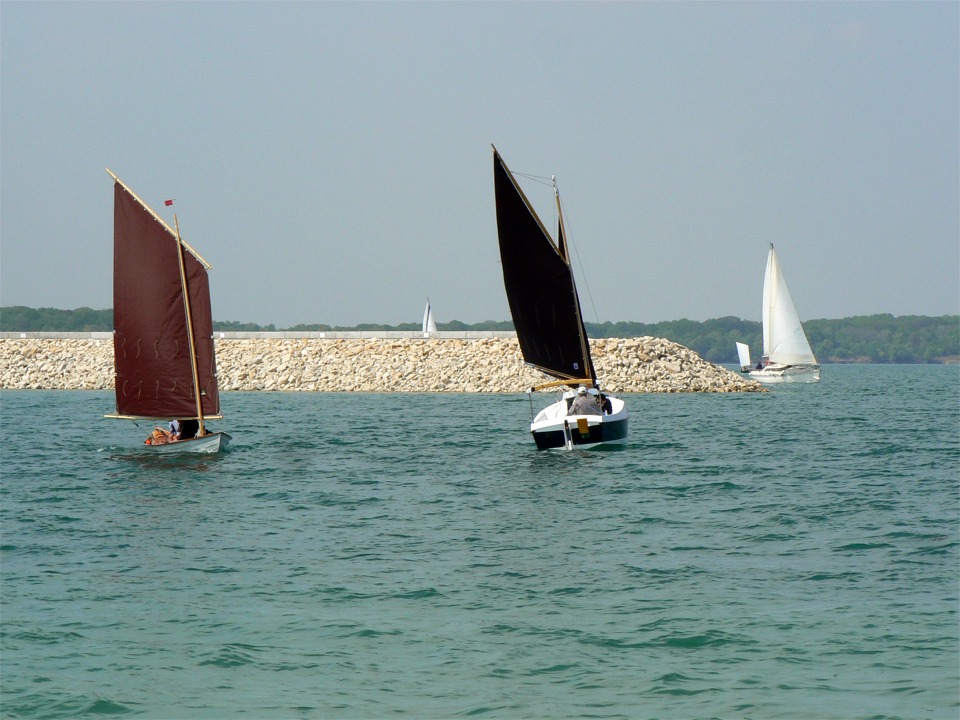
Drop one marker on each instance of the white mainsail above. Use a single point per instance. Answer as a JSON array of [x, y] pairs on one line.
[[784, 341], [743, 351], [429, 324]]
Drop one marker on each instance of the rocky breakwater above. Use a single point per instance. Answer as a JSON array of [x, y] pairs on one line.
[[633, 365]]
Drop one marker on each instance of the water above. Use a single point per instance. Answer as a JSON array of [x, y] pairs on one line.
[[785, 555]]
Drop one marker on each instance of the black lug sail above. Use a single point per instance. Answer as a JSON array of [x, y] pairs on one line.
[[539, 283]]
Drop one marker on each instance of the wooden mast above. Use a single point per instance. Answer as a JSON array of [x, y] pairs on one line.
[[190, 338], [565, 252]]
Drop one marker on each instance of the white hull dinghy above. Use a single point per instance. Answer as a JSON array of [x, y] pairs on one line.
[[207, 444], [554, 427]]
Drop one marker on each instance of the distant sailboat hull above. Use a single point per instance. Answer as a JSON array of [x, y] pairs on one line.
[[553, 428], [787, 374], [208, 444]]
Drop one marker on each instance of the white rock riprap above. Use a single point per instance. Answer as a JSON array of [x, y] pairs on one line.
[[47, 364], [633, 365]]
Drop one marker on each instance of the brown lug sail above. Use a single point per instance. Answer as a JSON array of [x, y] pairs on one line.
[[151, 341]]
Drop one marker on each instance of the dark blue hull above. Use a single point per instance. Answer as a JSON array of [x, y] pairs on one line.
[[611, 431]]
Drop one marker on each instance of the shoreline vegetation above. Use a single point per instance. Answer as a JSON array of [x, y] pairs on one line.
[[874, 339]]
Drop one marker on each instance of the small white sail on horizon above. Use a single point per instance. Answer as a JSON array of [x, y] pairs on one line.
[[429, 324], [743, 352]]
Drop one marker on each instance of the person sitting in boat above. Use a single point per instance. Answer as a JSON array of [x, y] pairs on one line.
[[189, 429], [583, 404], [606, 407], [159, 436]]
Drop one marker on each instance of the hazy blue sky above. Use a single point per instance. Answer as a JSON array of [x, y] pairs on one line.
[[332, 160]]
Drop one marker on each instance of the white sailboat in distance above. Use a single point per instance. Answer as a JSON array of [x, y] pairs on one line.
[[787, 355], [743, 353]]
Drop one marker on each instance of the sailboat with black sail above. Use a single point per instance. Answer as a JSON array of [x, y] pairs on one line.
[[539, 282], [163, 329]]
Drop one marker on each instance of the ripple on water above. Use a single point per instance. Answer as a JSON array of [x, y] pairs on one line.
[[442, 567]]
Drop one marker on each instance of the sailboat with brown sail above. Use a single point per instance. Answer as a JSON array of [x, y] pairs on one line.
[[542, 293], [163, 329]]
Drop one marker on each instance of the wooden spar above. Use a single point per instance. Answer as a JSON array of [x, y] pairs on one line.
[[526, 201], [189, 314], [115, 416], [564, 246], [160, 220], [562, 240], [572, 381]]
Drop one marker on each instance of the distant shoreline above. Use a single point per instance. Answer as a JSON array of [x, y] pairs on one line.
[[880, 339]]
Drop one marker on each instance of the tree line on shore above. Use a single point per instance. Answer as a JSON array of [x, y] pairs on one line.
[[865, 338]]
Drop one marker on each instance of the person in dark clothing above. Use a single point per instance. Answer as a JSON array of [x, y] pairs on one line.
[[605, 405], [189, 429]]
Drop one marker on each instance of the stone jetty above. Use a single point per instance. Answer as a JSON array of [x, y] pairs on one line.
[[487, 365]]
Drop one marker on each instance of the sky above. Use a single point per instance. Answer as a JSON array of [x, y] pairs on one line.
[[333, 161]]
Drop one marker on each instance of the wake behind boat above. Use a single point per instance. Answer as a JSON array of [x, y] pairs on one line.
[[539, 282], [163, 330], [787, 355]]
